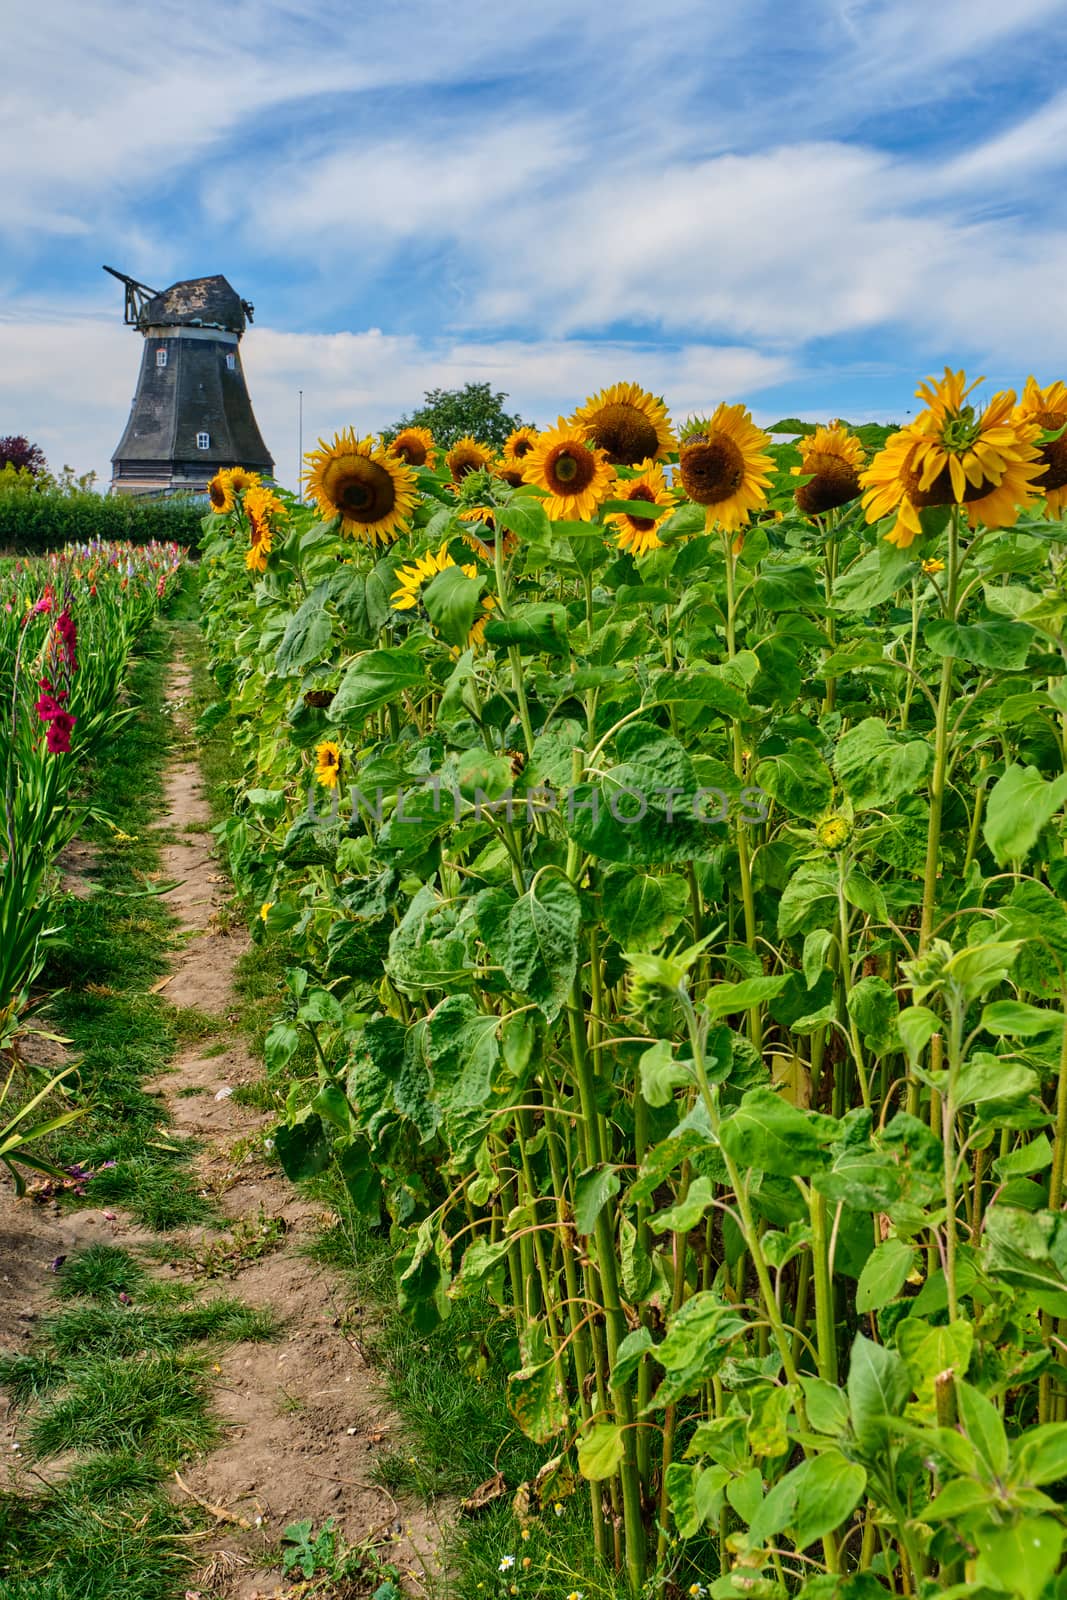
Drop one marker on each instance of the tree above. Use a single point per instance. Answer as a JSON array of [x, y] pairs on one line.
[[16, 450], [450, 414]]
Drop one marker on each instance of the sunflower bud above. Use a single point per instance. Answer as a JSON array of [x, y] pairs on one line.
[[833, 832]]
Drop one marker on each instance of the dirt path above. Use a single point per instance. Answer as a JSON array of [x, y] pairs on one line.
[[304, 1416]]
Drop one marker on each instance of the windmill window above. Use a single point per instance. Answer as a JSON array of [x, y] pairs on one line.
[[231, 362], [161, 356], [203, 441]]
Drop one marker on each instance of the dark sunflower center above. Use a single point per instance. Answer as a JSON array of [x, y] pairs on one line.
[[217, 495], [521, 447], [625, 433], [511, 475], [641, 491], [1053, 454], [711, 470], [460, 462], [834, 484], [413, 451], [569, 469], [360, 489], [940, 492]]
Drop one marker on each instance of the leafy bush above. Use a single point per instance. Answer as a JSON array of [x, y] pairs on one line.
[[32, 522]]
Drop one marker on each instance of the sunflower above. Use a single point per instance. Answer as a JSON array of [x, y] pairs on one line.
[[833, 457], [370, 489], [627, 422], [415, 446], [415, 574], [412, 576], [242, 479], [953, 455], [722, 466], [1048, 408], [328, 763], [467, 455], [519, 443], [220, 491], [262, 506], [477, 634], [510, 472], [576, 475], [634, 533]]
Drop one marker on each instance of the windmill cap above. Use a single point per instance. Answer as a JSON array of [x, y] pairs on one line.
[[198, 303]]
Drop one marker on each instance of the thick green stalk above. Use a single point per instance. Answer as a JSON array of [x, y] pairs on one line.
[[937, 801], [941, 748], [825, 1331], [755, 1020], [614, 1317], [948, 1138], [576, 1316]]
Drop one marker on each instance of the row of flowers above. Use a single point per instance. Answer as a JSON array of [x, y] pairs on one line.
[[994, 460], [68, 622]]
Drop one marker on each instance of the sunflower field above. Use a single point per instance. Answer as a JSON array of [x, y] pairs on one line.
[[665, 828]]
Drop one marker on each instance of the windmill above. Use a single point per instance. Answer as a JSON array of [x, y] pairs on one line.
[[191, 413]]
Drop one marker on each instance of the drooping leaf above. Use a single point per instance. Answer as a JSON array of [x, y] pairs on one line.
[[600, 1450], [540, 954], [998, 645], [375, 679], [1020, 804], [592, 1191], [876, 767], [767, 1134], [878, 1388], [884, 1275]]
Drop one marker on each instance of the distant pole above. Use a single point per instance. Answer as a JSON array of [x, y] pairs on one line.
[[300, 466]]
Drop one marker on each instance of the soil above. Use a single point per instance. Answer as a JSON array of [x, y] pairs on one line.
[[304, 1415]]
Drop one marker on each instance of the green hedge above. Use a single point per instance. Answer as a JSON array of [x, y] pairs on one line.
[[30, 523]]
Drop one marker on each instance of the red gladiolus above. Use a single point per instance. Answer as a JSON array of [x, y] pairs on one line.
[[67, 630], [59, 731], [48, 707]]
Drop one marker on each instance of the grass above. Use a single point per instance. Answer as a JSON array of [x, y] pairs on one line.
[[106, 1532], [119, 1372], [127, 1386], [158, 1402], [100, 1272]]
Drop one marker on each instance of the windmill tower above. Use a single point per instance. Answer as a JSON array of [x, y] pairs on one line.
[[191, 414]]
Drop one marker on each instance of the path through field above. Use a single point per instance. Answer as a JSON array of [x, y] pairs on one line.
[[303, 1415]]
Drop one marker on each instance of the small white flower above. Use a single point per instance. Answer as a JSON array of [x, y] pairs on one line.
[[558, 1509], [506, 1562], [697, 1591]]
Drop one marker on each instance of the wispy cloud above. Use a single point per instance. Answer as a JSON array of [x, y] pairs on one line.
[[716, 200]]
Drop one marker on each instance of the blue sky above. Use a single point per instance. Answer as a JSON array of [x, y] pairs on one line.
[[807, 207]]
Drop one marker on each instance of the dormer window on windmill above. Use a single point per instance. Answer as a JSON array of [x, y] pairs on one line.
[[161, 355], [231, 360], [203, 441]]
